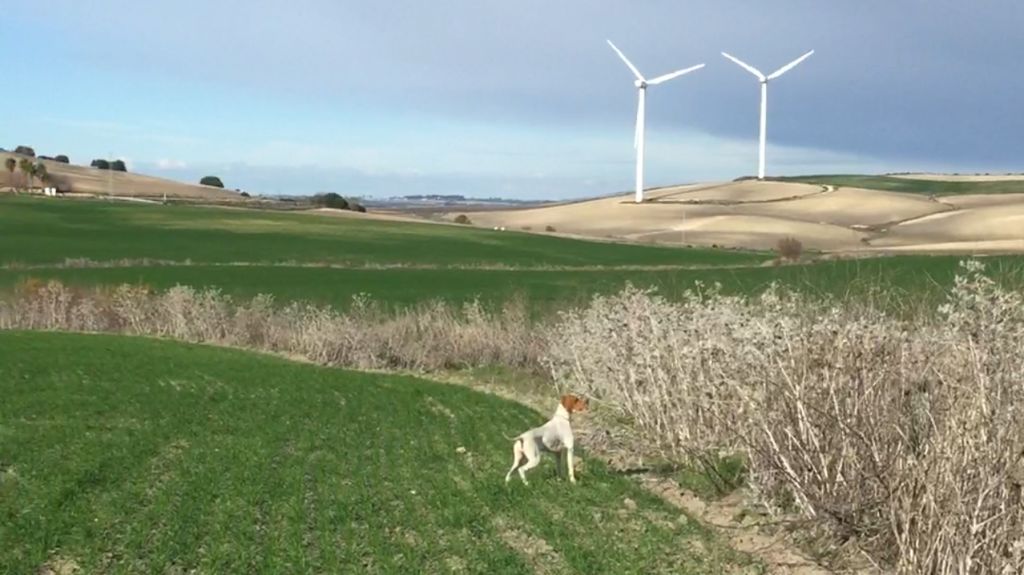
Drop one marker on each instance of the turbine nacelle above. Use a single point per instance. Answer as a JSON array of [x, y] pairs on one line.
[[640, 84]]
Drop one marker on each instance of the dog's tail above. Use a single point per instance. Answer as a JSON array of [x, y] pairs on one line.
[[516, 438]]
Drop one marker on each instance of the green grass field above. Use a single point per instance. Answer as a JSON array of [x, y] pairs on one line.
[[920, 280], [131, 455], [908, 185], [47, 231]]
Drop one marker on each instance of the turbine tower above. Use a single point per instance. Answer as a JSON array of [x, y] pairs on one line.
[[641, 84], [764, 98]]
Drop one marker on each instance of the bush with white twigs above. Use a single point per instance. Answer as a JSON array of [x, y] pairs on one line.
[[902, 437]]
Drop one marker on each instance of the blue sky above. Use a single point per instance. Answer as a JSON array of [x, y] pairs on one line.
[[519, 99]]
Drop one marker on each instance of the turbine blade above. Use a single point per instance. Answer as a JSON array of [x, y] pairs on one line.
[[746, 66], [636, 72], [676, 74], [789, 66]]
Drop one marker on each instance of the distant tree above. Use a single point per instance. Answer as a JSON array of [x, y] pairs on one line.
[[62, 159], [331, 200], [462, 219], [100, 164], [25, 166], [11, 164], [25, 151], [211, 181], [118, 166], [39, 171], [245, 195], [358, 208], [789, 248]]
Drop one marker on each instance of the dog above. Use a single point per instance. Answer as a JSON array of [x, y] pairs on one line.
[[555, 436]]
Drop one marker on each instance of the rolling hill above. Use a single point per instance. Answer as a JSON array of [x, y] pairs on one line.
[[836, 214], [92, 181]]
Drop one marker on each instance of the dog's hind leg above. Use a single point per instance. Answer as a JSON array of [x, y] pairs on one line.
[[517, 458], [532, 460]]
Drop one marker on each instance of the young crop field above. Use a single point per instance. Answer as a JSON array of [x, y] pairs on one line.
[[910, 185], [401, 263], [902, 280], [38, 231], [131, 455]]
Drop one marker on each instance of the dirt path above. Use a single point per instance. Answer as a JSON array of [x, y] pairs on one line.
[[152, 263], [676, 199], [774, 549]]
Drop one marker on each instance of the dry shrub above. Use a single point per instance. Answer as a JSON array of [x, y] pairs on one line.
[[650, 357], [463, 219], [789, 248], [903, 437], [431, 336]]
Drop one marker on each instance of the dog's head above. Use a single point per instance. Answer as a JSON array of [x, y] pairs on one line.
[[573, 403]]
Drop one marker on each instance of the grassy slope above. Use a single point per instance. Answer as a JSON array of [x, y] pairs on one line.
[[907, 185], [41, 231], [134, 455]]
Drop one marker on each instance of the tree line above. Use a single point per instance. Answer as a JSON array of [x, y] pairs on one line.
[[37, 170], [29, 170]]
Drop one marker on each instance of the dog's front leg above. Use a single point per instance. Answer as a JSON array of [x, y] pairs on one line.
[[569, 464]]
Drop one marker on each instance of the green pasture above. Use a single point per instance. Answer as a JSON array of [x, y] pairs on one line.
[[132, 455], [36, 230], [402, 264], [903, 280], [909, 185]]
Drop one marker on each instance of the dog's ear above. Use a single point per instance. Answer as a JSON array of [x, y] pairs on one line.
[[568, 401], [582, 404], [572, 403]]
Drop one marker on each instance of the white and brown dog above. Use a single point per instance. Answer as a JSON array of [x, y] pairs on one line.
[[555, 436]]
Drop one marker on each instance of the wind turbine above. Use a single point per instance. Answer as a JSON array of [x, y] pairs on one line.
[[638, 137], [764, 97]]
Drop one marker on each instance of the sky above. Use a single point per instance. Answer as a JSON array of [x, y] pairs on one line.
[[514, 99]]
